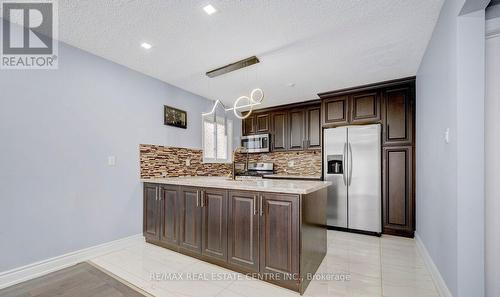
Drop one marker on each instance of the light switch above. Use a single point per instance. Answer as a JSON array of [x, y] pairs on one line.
[[291, 163], [111, 161], [188, 162], [447, 135]]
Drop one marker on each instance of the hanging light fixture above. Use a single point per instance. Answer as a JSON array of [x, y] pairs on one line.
[[256, 98]]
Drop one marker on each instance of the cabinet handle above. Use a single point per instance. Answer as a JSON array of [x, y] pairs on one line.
[[202, 198], [254, 205], [156, 193], [261, 208], [197, 198], [159, 194]]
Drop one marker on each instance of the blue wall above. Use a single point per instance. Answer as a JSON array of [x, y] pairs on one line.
[[57, 129], [450, 177]]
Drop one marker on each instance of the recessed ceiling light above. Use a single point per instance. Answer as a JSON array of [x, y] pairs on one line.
[[291, 85], [209, 9], [146, 45]]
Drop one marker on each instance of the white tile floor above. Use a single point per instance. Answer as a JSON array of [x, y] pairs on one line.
[[387, 266]]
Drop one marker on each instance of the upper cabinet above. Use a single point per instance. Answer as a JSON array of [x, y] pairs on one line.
[[296, 133], [279, 131], [335, 111], [257, 123], [262, 123], [365, 107], [293, 127], [313, 127], [248, 125], [398, 115]]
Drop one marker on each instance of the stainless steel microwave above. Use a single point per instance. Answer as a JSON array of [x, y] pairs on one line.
[[255, 143]]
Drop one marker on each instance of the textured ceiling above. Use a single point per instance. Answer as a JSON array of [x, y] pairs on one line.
[[317, 45]]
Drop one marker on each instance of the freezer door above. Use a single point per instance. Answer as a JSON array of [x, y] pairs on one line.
[[335, 149], [364, 178]]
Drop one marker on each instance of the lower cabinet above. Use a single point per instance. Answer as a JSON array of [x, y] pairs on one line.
[[250, 232], [190, 219], [168, 214], [397, 191], [214, 224], [279, 234], [150, 223], [243, 231]]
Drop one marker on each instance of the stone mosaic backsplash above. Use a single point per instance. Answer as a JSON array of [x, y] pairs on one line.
[[164, 161], [301, 163]]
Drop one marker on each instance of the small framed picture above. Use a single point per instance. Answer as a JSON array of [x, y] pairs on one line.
[[175, 117]]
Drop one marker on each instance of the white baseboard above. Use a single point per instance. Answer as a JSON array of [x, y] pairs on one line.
[[24, 273], [436, 275]]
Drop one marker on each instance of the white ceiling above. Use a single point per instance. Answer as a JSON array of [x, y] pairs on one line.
[[317, 45]]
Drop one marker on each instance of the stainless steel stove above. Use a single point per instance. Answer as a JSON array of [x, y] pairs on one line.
[[257, 170]]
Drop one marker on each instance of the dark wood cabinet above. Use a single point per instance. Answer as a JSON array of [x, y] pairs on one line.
[[365, 107], [214, 226], [279, 234], [262, 123], [280, 131], [398, 191], [280, 238], [243, 230], [335, 111], [398, 115], [313, 127], [150, 212], [392, 104], [169, 214], [249, 125], [190, 219], [257, 123], [296, 133]]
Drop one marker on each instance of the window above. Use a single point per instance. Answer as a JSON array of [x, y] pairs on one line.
[[217, 140]]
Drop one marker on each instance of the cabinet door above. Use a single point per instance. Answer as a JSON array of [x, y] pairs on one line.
[[169, 218], [150, 212], [262, 123], [249, 125], [279, 234], [365, 108], [335, 111], [296, 130], [398, 194], [398, 116], [214, 230], [243, 231], [313, 127], [190, 226], [280, 128]]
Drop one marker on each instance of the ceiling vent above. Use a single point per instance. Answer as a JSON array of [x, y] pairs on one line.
[[233, 66]]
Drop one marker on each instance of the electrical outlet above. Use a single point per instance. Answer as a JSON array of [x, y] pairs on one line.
[[447, 135], [291, 163], [111, 161], [188, 162]]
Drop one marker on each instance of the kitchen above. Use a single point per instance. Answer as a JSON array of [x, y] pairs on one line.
[[250, 148]]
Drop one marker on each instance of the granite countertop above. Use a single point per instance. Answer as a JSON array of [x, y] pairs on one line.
[[262, 185]]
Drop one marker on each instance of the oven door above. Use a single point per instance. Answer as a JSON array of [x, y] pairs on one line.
[[255, 143]]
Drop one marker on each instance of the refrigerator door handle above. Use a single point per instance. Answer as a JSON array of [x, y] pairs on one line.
[[350, 165], [344, 156]]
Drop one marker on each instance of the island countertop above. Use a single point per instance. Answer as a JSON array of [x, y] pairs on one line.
[[301, 187]]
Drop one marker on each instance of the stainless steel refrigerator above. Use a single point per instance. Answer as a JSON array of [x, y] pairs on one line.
[[352, 162]]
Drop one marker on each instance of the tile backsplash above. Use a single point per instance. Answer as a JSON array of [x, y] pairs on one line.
[[302, 163], [164, 161]]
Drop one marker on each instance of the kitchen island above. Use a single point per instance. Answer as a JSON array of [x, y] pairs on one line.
[[274, 230]]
